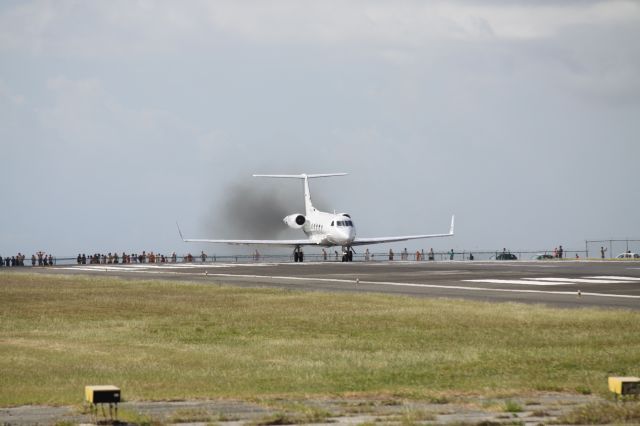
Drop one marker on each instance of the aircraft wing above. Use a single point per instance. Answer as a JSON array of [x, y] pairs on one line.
[[378, 240], [285, 243]]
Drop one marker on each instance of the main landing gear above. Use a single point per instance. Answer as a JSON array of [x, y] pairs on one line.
[[298, 255], [347, 254]]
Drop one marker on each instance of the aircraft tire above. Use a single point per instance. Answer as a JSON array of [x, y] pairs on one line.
[[350, 256], [300, 257], [295, 256]]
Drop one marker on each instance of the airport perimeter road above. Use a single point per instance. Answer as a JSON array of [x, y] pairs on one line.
[[560, 283]]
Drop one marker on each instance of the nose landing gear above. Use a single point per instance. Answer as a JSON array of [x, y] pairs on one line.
[[347, 254], [298, 255]]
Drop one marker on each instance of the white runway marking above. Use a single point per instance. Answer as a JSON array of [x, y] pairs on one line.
[[517, 282], [157, 268], [559, 281], [511, 264], [586, 280], [607, 277]]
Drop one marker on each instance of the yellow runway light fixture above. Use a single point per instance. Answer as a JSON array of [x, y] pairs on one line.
[[623, 386], [103, 394]]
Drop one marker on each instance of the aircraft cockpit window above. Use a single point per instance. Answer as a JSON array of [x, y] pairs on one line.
[[332, 223]]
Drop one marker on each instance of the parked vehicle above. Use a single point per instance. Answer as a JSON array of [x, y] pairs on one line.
[[506, 256], [542, 257], [628, 255]]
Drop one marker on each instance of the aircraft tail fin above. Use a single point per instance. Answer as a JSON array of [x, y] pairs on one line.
[[307, 196]]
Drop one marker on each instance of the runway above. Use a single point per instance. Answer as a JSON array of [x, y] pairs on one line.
[[607, 284]]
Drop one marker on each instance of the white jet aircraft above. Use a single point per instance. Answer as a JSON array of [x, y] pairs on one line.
[[322, 228]]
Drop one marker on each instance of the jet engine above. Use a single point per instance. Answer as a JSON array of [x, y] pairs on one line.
[[295, 221]]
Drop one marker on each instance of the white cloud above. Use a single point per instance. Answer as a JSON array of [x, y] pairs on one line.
[[401, 33], [131, 27]]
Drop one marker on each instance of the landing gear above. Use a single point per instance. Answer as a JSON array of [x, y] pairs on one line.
[[347, 254], [298, 255]]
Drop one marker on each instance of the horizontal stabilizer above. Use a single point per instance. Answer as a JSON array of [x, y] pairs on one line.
[[303, 175]]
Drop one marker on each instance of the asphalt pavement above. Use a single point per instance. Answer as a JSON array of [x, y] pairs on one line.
[[609, 284]]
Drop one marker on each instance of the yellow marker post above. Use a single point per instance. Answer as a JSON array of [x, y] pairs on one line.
[[623, 386], [103, 394]]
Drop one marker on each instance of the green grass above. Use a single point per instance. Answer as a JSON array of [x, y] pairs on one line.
[[163, 340], [512, 407]]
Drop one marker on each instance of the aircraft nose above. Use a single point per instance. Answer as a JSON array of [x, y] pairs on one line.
[[348, 233]]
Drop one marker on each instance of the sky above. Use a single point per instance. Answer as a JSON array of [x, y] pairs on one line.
[[119, 118]]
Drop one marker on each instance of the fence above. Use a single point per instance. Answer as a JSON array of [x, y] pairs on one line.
[[335, 256], [610, 247]]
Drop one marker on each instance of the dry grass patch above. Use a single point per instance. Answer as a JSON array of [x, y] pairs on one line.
[[603, 413]]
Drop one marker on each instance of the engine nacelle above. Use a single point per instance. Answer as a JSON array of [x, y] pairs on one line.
[[295, 221]]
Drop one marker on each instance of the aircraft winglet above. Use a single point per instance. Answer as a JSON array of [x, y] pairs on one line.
[[179, 231], [452, 220]]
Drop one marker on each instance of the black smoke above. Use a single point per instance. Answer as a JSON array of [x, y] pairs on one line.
[[254, 209]]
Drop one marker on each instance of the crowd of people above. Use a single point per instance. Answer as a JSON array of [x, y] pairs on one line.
[[39, 259], [43, 259], [124, 258]]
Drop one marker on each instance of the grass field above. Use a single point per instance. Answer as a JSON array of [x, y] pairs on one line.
[[162, 340]]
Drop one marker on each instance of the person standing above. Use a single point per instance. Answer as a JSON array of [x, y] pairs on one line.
[[451, 254], [602, 251], [431, 254]]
